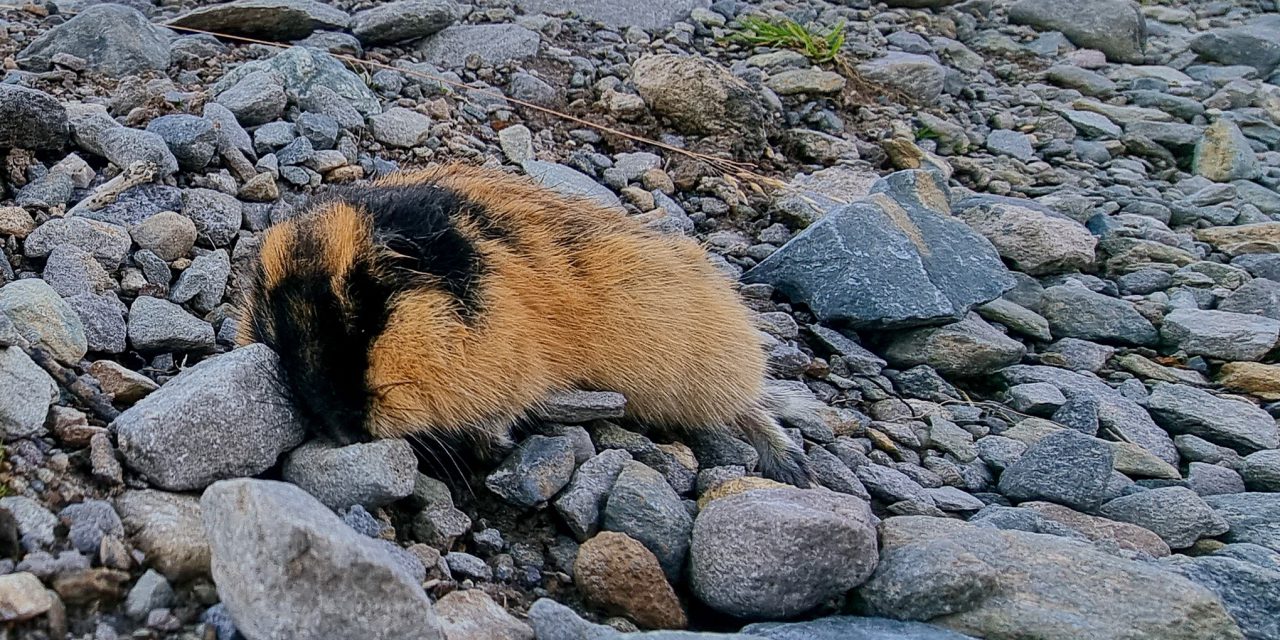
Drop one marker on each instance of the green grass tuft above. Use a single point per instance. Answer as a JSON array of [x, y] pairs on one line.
[[789, 34]]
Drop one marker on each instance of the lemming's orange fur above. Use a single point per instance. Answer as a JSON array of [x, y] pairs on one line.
[[583, 298]]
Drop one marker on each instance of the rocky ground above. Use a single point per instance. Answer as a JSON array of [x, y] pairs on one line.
[[1028, 253]]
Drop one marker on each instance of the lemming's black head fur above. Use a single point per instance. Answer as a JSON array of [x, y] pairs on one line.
[[323, 336]]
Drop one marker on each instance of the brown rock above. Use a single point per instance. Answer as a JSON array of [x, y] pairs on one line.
[[15, 221], [1261, 380], [1127, 536], [735, 486], [125, 385], [71, 427], [619, 575], [473, 615], [102, 459], [91, 585], [1262, 237]]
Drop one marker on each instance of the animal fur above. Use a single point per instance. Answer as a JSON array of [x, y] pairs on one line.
[[450, 302]]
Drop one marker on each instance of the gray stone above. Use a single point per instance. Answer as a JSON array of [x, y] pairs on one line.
[[35, 523], [230, 134], [1213, 480], [1114, 27], [570, 182], [72, 271], [217, 215], [285, 565], [702, 98], [1091, 125], [776, 553], [1010, 143], [1065, 467], [137, 205], [890, 261], [467, 566], [805, 81], [191, 139], [219, 419], [968, 348], [495, 44], [891, 485], [108, 243], [306, 73], [1262, 471], [643, 506], [1260, 296], [89, 522], [920, 77], [1183, 409], [1033, 238], [166, 527], [1250, 593], [1223, 154], [1176, 514], [26, 392], [167, 234], [400, 127], [371, 474], [157, 325], [320, 129], [619, 14], [1251, 553], [580, 407], [550, 620], [257, 98], [1252, 517], [113, 39], [1073, 311], [151, 591], [1004, 584], [124, 146], [1017, 318], [204, 282], [31, 119], [1036, 398], [403, 21], [538, 469], [1255, 44], [851, 627], [580, 503], [44, 319], [1083, 80], [1116, 412], [265, 19]]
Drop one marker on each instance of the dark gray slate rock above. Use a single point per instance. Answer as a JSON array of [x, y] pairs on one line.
[[496, 44], [851, 628], [891, 485], [964, 349], [1073, 311], [1115, 411], [157, 326], [286, 566], [103, 317], [124, 146], [369, 474], [619, 14], [257, 97], [1262, 471], [1256, 44], [88, 522], [1005, 584], [776, 553], [223, 418], [893, 260], [643, 506], [580, 503], [1183, 409], [1220, 334], [268, 19], [1066, 467], [217, 215], [1260, 296], [1250, 593], [403, 21], [538, 469], [191, 139], [1251, 553], [1212, 480], [1252, 517], [550, 620], [1114, 27], [1177, 514], [112, 38], [31, 119], [579, 407]]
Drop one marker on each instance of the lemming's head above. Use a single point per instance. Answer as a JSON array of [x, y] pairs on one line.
[[320, 299]]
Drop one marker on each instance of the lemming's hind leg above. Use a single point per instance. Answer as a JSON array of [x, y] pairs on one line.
[[781, 458]]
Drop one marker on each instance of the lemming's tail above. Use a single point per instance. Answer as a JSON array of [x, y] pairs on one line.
[[781, 458]]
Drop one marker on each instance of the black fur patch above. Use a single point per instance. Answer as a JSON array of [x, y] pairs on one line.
[[417, 222]]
